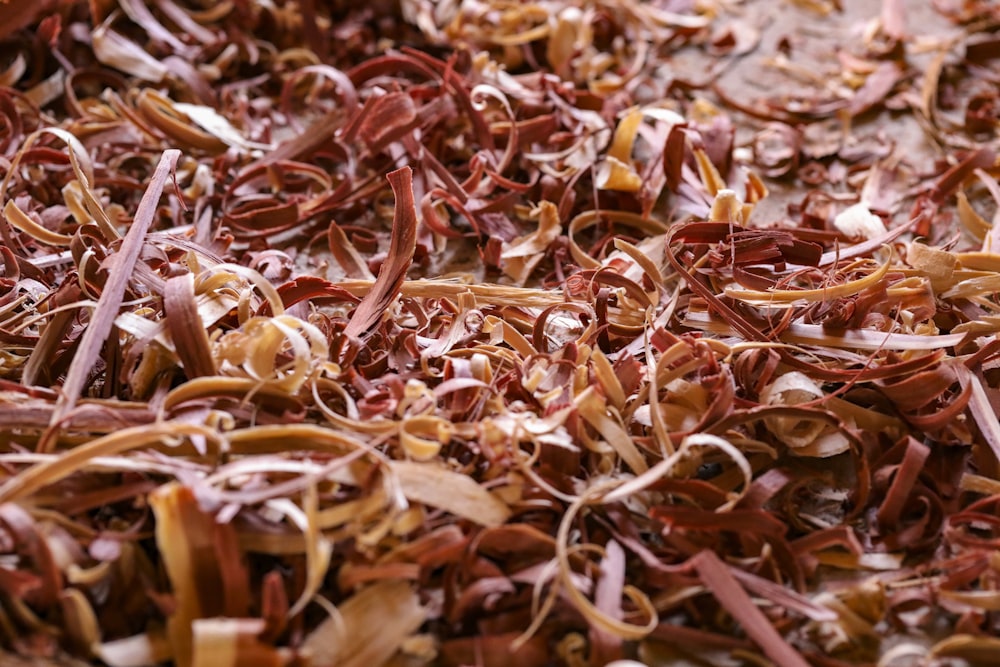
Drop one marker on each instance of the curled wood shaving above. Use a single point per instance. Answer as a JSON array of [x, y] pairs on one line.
[[393, 271]]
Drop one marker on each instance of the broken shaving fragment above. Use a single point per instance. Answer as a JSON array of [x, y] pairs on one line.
[[735, 600], [858, 222], [121, 53], [217, 125], [616, 171], [203, 563], [233, 642], [939, 265], [434, 485], [520, 256], [368, 628]]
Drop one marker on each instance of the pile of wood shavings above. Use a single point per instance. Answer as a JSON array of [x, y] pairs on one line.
[[453, 333]]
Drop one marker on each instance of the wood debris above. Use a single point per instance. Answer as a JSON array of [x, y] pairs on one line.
[[496, 332]]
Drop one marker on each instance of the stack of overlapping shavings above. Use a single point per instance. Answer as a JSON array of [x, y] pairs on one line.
[[454, 333]]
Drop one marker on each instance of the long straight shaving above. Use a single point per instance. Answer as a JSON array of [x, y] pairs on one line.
[[103, 317]]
